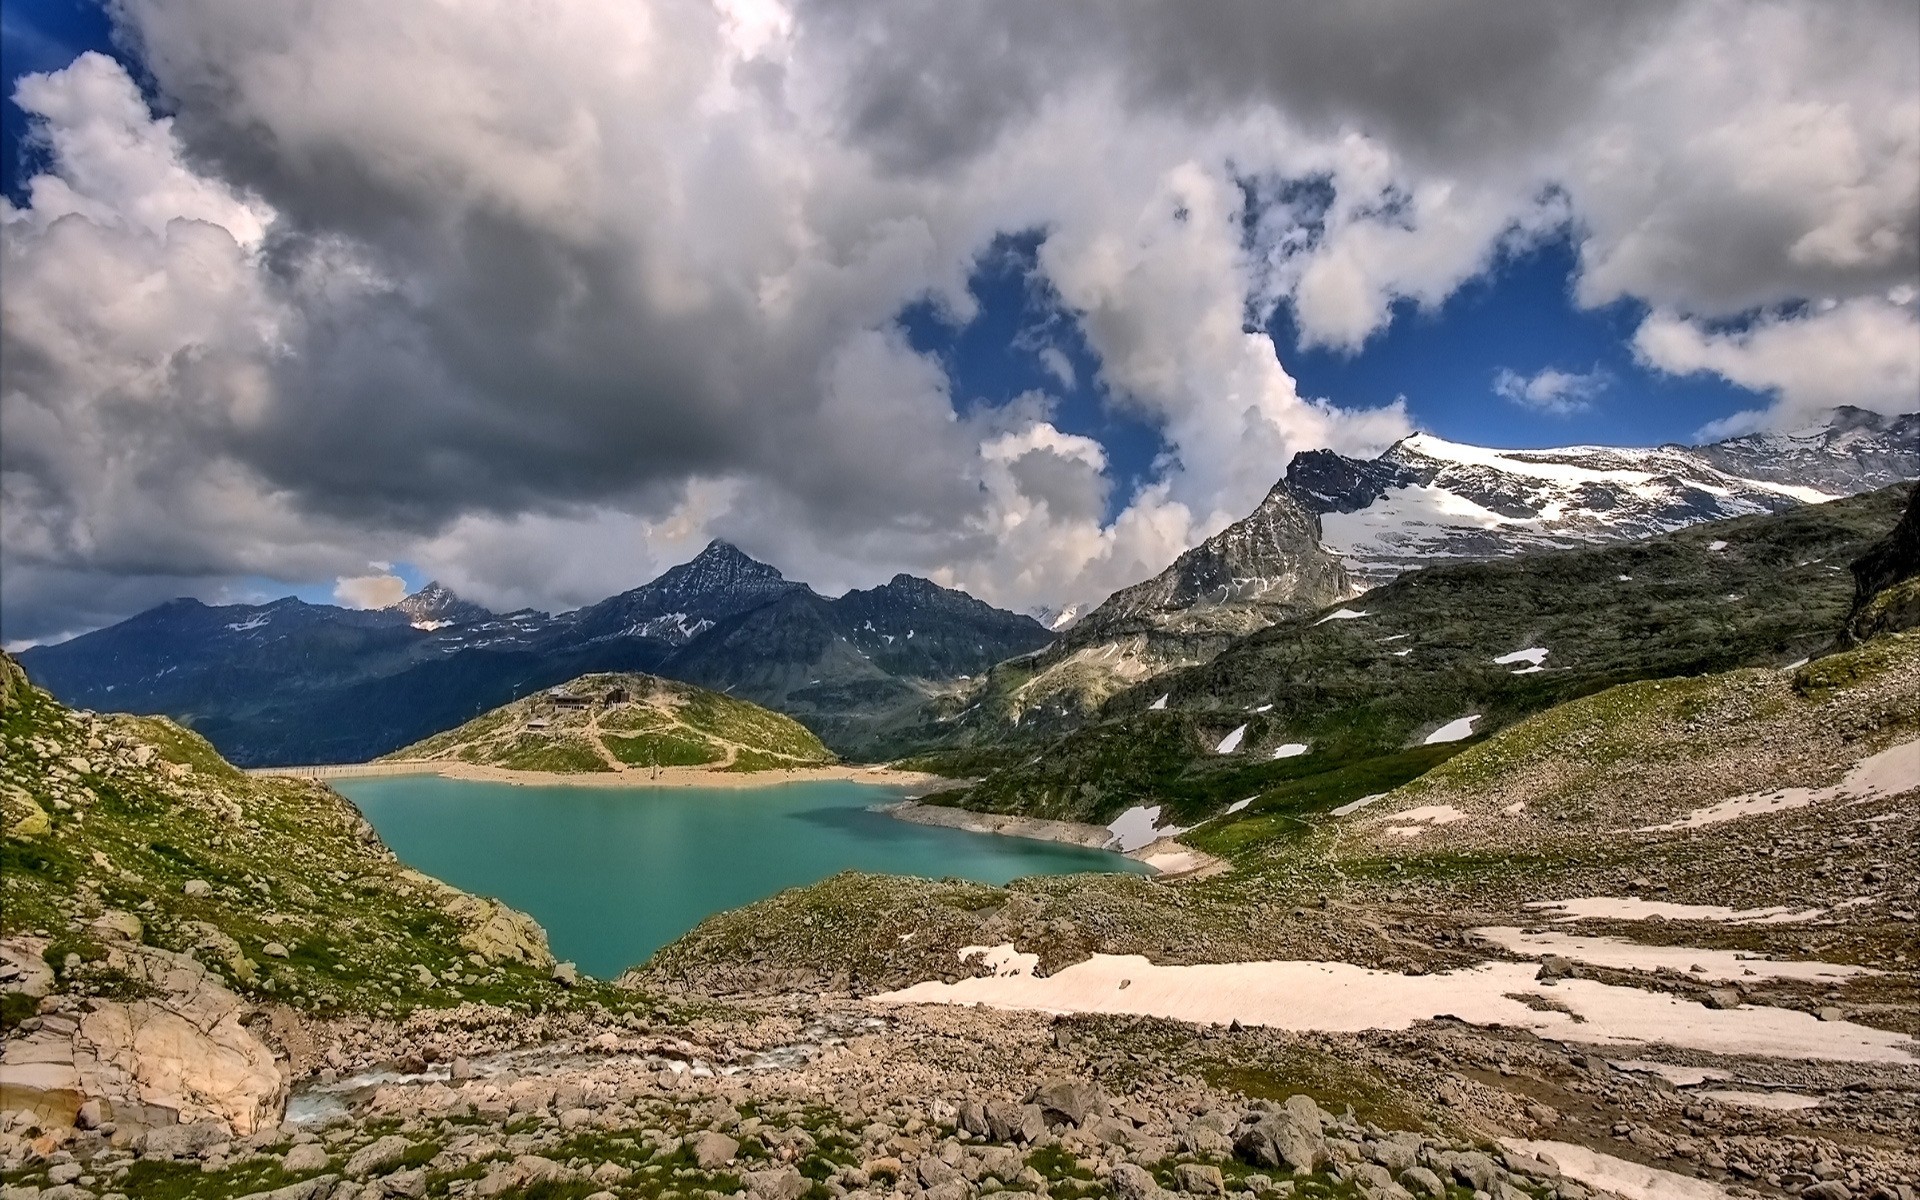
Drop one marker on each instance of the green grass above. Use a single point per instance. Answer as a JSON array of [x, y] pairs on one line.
[[665, 749]]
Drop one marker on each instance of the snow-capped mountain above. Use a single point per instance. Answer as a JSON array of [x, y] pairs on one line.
[[1060, 619], [435, 606], [1428, 500]]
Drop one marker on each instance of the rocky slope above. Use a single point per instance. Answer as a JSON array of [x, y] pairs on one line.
[[625, 721], [1367, 694], [291, 682], [1264, 568], [164, 914], [1427, 499], [1886, 580]]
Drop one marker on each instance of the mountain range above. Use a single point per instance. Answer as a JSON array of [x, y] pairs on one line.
[[1427, 499], [292, 682], [909, 665]]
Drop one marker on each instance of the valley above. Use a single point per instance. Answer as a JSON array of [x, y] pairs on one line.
[[1577, 872]]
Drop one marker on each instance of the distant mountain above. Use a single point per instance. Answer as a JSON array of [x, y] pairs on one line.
[[1428, 500], [435, 606], [853, 667], [1061, 618], [291, 682], [1263, 568], [687, 600]]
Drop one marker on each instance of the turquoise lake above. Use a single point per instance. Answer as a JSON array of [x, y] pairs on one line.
[[616, 873]]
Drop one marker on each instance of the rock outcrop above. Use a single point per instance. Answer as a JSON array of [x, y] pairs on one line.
[[179, 1054]]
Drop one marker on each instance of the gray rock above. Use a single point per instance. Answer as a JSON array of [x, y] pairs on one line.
[[196, 887], [1831, 1189], [778, 1183], [310, 1156], [1422, 1182], [182, 1141], [712, 1150], [935, 1171], [1068, 1101], [952, 1189], [1475, 1170], [1724, 998], [1395, 1155], [376, 1156], [274, 950], [566, 974], [1001, 1163], [1281, 1139], [1200, 1179], [1131, 1182], [306, 1189]]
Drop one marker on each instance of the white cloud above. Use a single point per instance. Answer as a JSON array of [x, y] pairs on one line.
[[369, 591], [1864, 352], [1550, 390], [625, 276]]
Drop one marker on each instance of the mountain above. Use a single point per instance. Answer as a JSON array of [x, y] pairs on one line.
[[291, 682], [1427, 499], [1360, 697], [687, 600], [855, 667], [1265, 567], [435, 606], [620, 721]]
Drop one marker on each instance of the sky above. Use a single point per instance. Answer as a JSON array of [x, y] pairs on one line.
[[332, 299]]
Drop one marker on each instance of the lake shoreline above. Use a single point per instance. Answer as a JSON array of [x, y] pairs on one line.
[[668, 777], [1168, 858]]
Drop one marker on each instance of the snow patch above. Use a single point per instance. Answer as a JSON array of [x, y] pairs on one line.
[[1240, 805], [1893, 770], [1452, 731], [1617, 908], [1342, 614], [1716, 545], [1778, 1101], [1353, 806], [1139, 826], [1334, 997], [1291, 750], [1617, 1176], [1532, 655], [1231, 742], [1160, 703], [1623, 955]]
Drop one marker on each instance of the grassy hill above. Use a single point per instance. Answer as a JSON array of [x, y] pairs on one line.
[[621, 721], [1363, 686], [127, 830]]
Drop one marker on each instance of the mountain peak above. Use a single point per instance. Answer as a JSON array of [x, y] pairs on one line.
[[436, 605]]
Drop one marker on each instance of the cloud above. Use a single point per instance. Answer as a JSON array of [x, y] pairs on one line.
[[1863, 352], [1550, 390], [539, 300], [369, 591]]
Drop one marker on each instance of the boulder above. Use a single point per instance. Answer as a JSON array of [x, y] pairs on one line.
[[712, 1150], [308, 1156], [1200, 1179], [1281, 1139], [1475, 1170], [1422, 1182], [777, 1183], [317, 1188], [377, 1156], [1068, 1101], [1131, 1182]]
